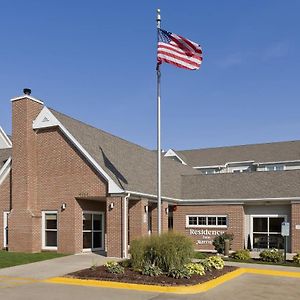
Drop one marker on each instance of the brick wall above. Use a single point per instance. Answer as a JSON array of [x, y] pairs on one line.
[[63, 176], [24, 232], [5, 198], [295, 233], [48, 171], [114, 227], [164, 217], [138, 219], [235, 217]]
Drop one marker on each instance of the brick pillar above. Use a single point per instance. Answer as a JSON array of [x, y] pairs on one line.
[[138, 219], [25, 218], [164, 217], [114, 227], [295, 233]]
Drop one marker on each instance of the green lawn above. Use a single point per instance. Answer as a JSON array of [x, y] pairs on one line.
[[9, 259]]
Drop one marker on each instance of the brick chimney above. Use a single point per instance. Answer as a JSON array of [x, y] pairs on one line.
[[25, 217]]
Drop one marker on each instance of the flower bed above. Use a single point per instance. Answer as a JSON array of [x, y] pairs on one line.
[[131, 276]]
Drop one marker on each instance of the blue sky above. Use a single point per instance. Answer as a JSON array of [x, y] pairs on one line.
[[95, 60]]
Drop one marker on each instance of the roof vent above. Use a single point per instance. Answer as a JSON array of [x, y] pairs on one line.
[[27, 91]]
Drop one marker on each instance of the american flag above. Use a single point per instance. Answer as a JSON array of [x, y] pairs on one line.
[[178, 51]]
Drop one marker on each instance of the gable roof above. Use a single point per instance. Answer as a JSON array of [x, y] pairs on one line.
[[269, 152], [132, 167]]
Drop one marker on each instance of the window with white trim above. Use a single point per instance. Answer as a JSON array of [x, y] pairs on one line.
[[206, 221], [50, 230]]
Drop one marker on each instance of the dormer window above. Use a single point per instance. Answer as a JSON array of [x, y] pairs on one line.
[[274, 167]]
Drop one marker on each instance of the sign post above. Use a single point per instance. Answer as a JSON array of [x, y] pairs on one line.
[[285, 232]]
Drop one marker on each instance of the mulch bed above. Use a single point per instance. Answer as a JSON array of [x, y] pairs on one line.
[[130, 276]]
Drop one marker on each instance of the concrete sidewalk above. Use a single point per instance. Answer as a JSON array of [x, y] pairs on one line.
[[262, 266], [55, 267]]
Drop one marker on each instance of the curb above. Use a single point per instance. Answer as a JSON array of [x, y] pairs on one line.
[[194, 289]]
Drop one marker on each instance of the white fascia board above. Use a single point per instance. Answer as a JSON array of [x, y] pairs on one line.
[[27, 97], [172, 153], [5, 138], [278, 162], [4, 171], [46, 119], [210, 167], [214, 201]]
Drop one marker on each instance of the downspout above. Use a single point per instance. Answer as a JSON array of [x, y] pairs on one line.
[[125, 226]]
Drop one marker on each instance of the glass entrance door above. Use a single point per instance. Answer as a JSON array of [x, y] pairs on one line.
[[267, 232], [93, 231]]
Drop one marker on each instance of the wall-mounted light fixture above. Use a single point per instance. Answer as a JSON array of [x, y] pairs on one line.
[[63, 206], [146, 208], [111, 206], [167, 210]]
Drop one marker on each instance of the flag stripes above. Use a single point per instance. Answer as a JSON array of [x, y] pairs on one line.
[[178, 51]]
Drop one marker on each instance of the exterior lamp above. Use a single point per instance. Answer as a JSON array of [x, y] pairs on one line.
[[63, 206]]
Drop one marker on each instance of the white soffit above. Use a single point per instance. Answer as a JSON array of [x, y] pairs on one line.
[[46, 119], [5, 142]]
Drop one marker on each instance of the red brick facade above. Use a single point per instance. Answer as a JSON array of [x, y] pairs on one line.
[[295, 231], [48, 171], [235, 217]]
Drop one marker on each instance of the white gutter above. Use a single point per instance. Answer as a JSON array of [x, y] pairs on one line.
[[125, 226], [5, 170], [240, 200]]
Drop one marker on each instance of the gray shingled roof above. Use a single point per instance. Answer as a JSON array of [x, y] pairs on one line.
[[4, 155], [278, 151], [131, 166], [275, 184]]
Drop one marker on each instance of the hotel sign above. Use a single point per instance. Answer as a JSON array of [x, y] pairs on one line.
[[207, 235]]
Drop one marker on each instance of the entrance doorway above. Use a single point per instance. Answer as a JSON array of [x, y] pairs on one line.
[[266, 232], [93, 231]]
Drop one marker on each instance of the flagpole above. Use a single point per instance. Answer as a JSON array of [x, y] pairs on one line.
[[158, 74]]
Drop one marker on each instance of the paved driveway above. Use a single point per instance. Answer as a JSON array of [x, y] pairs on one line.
[[245, 287], [26, 283]]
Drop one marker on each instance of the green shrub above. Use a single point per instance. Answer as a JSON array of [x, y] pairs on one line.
[[219, 241], [114, 267], [179, 273], [151, 270], [216, 262], [206, 264], [195, 269], [296, 258], [241, 255], [212, 262], [167, 251], [200, 255], [126, 263], [271, 255]]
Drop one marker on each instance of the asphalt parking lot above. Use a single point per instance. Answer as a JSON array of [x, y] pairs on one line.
[[246, 287]]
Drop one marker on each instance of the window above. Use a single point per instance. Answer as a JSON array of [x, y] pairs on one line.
[[266, 232], [277, 167], [209, 171], [49, 220], [206, 221]]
